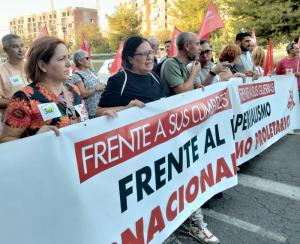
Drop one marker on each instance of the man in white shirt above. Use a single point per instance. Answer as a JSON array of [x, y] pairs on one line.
[[244, 62]]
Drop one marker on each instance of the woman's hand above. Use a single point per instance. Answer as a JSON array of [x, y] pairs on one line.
[[135, 103], [112, 113], [46, 128], [100, 87]]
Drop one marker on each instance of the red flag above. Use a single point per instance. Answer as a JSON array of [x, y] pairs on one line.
[[85, 45], [116, 65], [43, 32], [269, 62], [211, 22], [173, 48]]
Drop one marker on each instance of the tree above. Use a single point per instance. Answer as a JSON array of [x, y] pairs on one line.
[[188, 15], [97, 42], [163, 35], [276, 18], [124, 22]]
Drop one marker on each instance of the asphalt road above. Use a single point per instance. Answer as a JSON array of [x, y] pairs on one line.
[[264, 208]]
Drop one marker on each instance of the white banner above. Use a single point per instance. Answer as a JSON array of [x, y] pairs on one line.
[[264, 111], [136, 178]]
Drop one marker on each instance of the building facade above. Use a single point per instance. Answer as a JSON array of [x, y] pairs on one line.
[[154, 14], [62, 23]]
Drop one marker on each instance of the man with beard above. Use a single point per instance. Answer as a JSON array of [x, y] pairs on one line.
[[12, 77], [174, 72], [244, 63], [210, 72]]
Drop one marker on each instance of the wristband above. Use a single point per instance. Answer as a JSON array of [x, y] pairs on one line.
[[212, 73]]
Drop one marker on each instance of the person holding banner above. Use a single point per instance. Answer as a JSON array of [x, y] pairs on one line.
[[176, 74], [136, 84], [291, 63], [87, 82], [47, 103]]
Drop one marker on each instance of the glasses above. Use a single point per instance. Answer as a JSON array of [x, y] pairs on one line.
[[145, 55], [207, 52]]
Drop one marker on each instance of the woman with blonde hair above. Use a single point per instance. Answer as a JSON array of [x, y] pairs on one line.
[[258, 59]]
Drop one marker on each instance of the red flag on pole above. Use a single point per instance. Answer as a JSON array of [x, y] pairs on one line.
[[173, 48], [269, 63], [43, 32], [211, 22], [116, 65], [85, 45]]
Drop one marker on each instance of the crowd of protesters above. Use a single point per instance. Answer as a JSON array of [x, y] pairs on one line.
[[39, 95]]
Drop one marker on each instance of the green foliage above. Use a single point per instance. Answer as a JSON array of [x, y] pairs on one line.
[[97, 42], [188, 15], [278, 19], [163, 35], [123, 23]]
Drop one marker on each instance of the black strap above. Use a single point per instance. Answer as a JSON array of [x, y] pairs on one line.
[[81, 76]]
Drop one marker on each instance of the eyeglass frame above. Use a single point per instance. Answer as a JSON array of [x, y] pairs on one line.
[[208, 51], [145, 55]]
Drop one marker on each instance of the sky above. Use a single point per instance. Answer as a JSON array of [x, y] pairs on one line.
[[13, 8]]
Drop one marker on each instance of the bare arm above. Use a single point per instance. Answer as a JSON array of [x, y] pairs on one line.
[[110, 111], [3, 102], [188, 85], [9, 133], [87, 93]]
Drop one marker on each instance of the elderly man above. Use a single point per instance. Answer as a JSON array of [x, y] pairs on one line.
[[291, 63], [175, 72], [12, 77], [154, 43], [244, 63]]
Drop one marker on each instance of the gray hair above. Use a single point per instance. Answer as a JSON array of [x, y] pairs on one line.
[[290, 46], [79, 54], [184, 37], [7, 38], [153, 41]]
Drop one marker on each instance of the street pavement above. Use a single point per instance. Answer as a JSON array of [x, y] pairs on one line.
[[264, 208]]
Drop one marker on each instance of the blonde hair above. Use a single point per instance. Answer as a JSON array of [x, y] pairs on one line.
[[258, 56]]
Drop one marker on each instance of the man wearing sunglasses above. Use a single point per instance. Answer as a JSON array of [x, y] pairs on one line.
[[209, 73]]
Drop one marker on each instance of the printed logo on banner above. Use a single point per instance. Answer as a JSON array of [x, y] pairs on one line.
[[255, 91], [107, 150], [291, 104]]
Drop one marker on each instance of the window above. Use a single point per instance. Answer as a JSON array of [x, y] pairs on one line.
[[29, 19]]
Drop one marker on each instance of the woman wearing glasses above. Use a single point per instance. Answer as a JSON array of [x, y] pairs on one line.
[[135, 84], [87, 82], [47, 103]]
